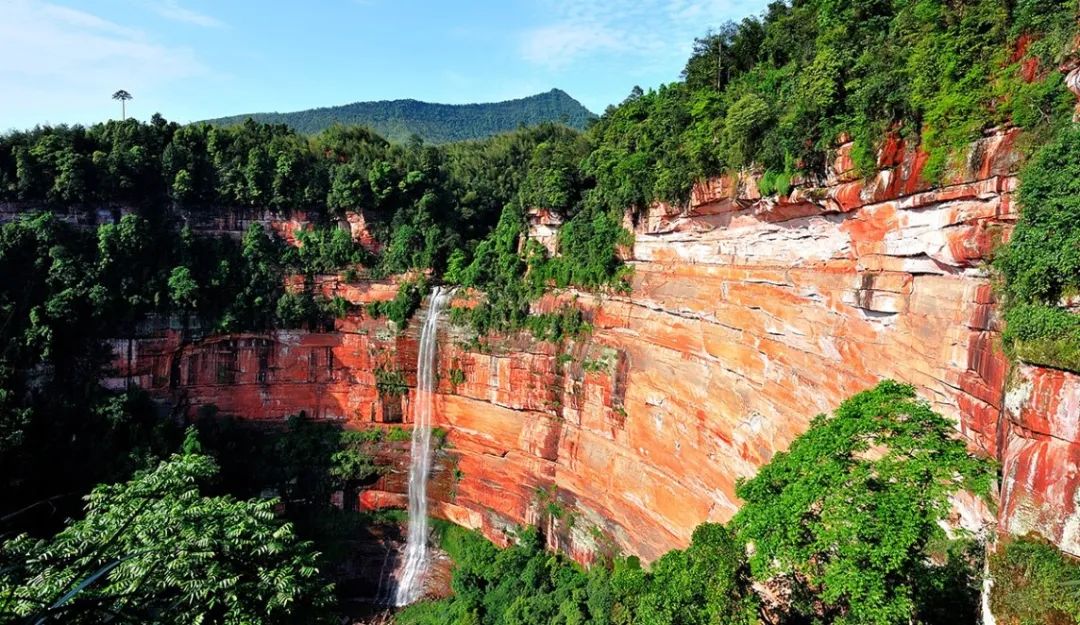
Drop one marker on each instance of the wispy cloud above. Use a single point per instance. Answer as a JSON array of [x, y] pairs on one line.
[[55, 59], [653, 30], [171, 9], [558, 45]]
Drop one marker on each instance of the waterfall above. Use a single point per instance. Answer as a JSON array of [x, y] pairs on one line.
[[411, 584]]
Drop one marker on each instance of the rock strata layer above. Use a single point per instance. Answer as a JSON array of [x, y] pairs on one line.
[[747, 317]]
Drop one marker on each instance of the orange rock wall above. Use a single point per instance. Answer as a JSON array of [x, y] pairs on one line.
[[747, 317], [1041, 457]]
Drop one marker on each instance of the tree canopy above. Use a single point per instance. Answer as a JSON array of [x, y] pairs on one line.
[[154, 549], [848, 512]]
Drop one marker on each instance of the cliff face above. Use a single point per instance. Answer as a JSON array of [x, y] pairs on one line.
[[747, 317]]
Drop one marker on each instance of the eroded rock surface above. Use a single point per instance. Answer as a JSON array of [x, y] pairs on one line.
[[747, 317]]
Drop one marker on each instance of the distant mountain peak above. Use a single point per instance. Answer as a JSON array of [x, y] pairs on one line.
[[397, 120]]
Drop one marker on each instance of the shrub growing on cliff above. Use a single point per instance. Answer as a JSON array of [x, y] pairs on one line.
[[390, 382], [1042, 260], [410, 295], [326, 250], [1041, 263], [521, 585], [295, 309], [1034, 584], [845, 516], [1044, 335], [588, 246], [555, 326]]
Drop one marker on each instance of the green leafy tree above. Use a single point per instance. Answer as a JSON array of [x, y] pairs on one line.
[[183, 290], [723, 54], [155, 549], [257, 176], [588, 247], [847, 513], [186, 165], [255, 303], [182, 188], [455, 266], [30, 180], [326, 250], [127, 268], [71, 184], [123, 97], [349, 188], [294, 310], [706, 584]]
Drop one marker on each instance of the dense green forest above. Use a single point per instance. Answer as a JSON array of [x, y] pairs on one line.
[[401, 120], [773, 93]]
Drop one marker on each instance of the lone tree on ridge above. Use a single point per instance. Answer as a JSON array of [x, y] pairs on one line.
[[123, 96]]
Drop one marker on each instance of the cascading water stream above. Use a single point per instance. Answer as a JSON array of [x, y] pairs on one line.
[[411, 583]]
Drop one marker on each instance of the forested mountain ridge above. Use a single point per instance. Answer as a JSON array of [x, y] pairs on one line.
[[398, 120]]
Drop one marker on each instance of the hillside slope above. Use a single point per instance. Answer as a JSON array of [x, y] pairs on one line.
[[397, 120]]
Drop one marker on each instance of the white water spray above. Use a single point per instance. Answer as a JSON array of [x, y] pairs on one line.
[[411, 584]]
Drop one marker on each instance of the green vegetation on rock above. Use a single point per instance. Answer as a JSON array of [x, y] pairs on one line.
[[846, 520], [1034, 584], [390, 382], [777, 92], [1041, 262], [526, 585], [847, 514]]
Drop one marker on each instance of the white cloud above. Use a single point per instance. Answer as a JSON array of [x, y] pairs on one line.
[[70, 17], [171, 9], [558, 45], [653, 30], [61, 64]]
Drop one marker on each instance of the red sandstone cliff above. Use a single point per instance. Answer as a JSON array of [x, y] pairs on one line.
[[748, 316]]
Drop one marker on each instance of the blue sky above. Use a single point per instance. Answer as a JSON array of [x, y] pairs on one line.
[[60, 60]]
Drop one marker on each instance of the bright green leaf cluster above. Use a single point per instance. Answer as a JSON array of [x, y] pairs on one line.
[[847, 513], [155, 549]]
